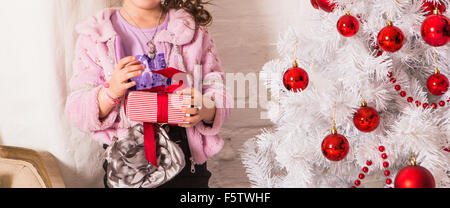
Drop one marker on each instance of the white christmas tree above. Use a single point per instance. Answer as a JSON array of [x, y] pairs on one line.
[[343, 72]]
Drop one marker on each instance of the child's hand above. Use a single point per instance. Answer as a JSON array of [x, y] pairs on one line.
[[126, 69], [207, 112]]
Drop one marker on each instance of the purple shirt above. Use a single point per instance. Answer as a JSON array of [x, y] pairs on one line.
[[134, 43]]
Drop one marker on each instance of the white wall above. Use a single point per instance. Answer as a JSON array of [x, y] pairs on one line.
[[36, 44]]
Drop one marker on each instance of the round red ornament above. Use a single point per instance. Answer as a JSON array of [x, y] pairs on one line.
[[327, 5], [436, 30], [437, 84], [429, 7], [414, 176], [366, 119], [348, 25], [314, 4], [296, 79], [391, 38], [335, 147]]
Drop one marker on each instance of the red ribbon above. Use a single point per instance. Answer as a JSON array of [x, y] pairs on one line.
[[162, 114]]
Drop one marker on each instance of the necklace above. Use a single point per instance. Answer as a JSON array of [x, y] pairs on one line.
[[150, 44]]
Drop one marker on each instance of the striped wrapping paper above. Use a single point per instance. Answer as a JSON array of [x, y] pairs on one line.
[[143, 107]]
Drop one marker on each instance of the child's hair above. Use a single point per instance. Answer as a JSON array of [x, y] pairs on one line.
[[194, 7]]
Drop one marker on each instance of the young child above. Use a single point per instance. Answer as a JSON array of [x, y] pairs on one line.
[[116, 51]]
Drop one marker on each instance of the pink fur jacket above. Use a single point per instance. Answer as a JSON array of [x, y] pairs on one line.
[[188, 47]]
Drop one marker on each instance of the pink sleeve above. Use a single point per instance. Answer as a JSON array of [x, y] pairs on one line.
[[82, 107], [214, 87]]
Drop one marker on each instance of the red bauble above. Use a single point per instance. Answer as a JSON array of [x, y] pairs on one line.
[[437, 84], [314, 4], [391, 39], [327, 5], [429, 7], [348, 25], [414, 177], [436, 30], [296, 79], [366, 119], [335, 147]]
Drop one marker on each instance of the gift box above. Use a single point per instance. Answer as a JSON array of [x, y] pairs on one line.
[[157, 105], [151, 107]]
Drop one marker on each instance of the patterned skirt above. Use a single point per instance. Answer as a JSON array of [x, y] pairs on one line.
[[185, 179]]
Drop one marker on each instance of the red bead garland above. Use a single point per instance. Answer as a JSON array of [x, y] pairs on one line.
[[403, 94], [389, 181], [398, 87], [434, 105], [365, 169], [361, 176], [418, 103], [410, 99], [387, 173]]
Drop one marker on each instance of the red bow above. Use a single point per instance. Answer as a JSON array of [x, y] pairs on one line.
[[162, 116]]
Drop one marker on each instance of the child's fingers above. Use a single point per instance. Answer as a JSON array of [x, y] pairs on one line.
[[193, 120], [189, 102], [186, 125], [133, 68], [131, 75], [123, 62], [191, 111], [133, 63], [187, 91], [130, 85]]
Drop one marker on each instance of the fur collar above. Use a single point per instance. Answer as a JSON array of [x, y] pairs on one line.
[[180, 30]]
